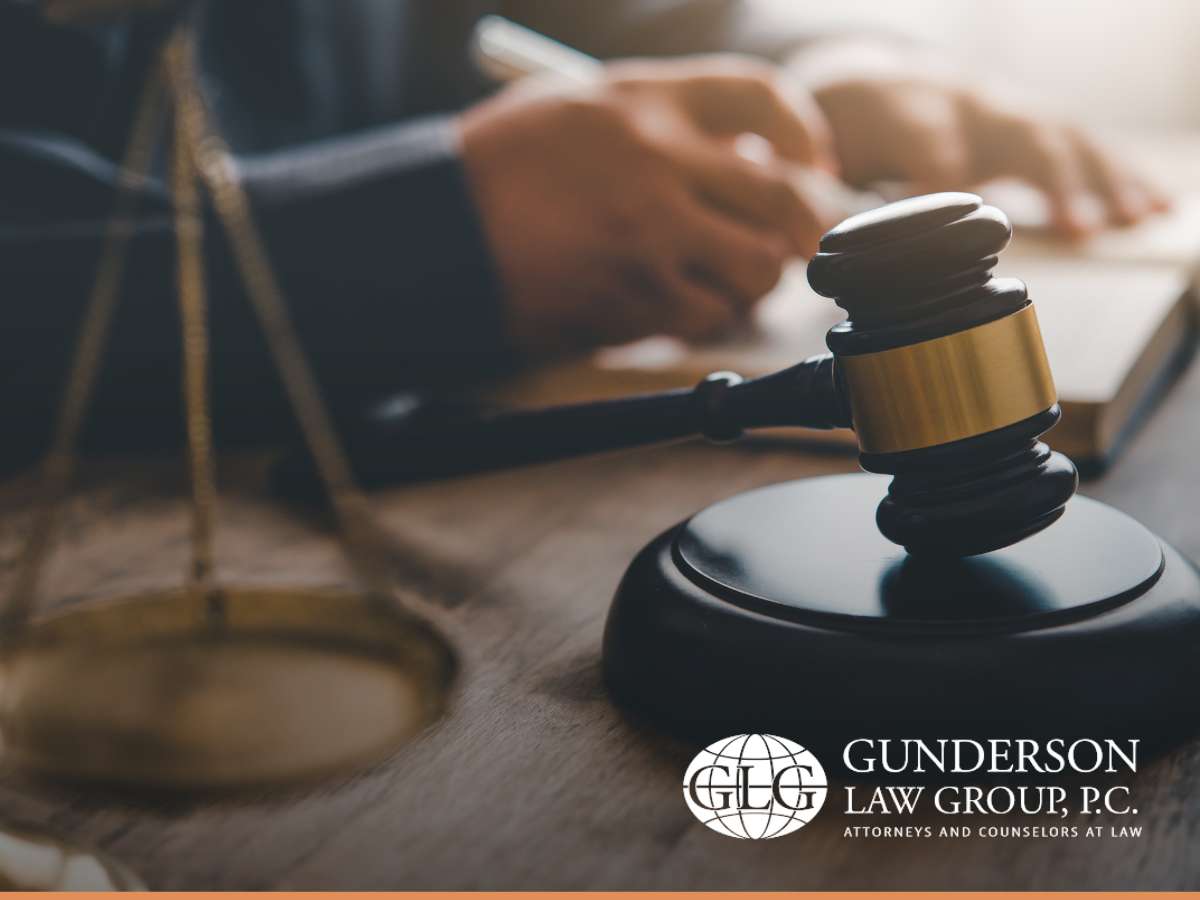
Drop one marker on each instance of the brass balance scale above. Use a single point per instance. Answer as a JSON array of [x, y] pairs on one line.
[[206, 686]]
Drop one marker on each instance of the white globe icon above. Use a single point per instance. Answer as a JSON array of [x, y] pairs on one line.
[[754, 786]]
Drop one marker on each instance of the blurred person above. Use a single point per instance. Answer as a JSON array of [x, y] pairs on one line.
[[427, 231]]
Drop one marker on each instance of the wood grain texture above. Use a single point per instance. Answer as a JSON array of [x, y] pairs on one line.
[[534, 780]]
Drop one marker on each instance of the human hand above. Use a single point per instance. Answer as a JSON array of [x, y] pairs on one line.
[[925, 127], [621, 209]]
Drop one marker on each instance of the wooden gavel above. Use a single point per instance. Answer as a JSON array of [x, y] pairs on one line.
[[939, 368]]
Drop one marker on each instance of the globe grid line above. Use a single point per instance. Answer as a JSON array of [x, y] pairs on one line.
[[775, 822], [771, 804], [766, 738], [719, 755]]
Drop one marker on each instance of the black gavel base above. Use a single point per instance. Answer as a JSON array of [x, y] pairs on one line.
[[783, 609], [787, 609]]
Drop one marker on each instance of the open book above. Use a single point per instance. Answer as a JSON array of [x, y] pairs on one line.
[[1117, 313]]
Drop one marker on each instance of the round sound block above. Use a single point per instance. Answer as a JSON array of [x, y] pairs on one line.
[[783, 609]]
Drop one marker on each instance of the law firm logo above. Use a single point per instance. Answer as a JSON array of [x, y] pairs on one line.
[[754, 786]]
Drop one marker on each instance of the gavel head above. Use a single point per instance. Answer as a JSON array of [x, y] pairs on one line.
[[946, 375]]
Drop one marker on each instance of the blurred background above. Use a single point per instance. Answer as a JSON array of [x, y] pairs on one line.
[[1107, 64]]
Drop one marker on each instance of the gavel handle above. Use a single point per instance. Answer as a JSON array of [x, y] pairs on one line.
[[399, 448]]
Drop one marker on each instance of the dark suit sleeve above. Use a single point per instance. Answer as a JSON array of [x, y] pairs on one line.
[[615, 28], [377, 239], [374, 238]]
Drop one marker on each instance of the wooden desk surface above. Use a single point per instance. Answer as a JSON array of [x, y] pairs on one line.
[[534, 780]]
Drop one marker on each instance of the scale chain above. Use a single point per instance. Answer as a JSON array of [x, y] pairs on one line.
[[193, 308], [58, 466], [213, 161], [199, 155]]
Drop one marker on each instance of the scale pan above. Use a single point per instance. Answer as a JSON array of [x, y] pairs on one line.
[[239, 688]]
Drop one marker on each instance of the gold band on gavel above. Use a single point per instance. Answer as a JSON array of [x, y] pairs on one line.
[[951, 387]]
